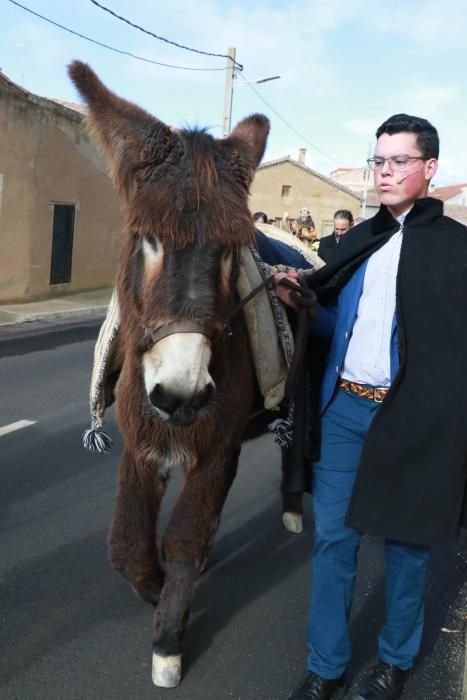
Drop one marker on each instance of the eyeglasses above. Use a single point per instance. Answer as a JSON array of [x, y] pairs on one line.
[[394, 162]]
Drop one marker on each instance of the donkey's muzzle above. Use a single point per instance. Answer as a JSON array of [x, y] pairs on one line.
[[180, 410]]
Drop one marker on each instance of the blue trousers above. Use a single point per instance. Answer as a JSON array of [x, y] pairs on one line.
[[334, 562]]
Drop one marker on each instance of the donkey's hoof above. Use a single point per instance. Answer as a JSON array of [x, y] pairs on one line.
[[293, 522], [166, 670]]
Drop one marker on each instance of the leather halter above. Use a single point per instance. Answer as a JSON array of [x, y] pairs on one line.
[[193, 327], [294, 372], [177, 327]]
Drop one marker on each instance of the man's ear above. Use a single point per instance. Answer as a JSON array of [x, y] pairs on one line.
[[127, 134], [245, 146], [431, 168]]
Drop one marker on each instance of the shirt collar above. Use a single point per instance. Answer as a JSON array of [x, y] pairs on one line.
[[401, 218]]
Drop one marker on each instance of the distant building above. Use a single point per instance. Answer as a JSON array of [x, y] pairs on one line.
[[353, 178], [372, 203], [282, 187], [451, 194], [457, 212], [60, 218]]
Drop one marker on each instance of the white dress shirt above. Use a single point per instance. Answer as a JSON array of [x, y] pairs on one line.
[[367, 360]]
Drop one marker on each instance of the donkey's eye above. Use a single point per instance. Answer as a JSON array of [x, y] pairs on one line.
[[152, 240]]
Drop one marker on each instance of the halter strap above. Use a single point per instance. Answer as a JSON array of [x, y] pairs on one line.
[[243, 302], [177, 327], [295, 368]]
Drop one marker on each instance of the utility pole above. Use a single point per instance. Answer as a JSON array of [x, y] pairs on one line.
[[229, 76]]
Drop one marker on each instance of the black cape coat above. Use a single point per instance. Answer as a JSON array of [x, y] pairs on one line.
[[327, 247], [412, 478]]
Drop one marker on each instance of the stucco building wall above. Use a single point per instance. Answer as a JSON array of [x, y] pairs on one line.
[[307, 189], [47, 158]]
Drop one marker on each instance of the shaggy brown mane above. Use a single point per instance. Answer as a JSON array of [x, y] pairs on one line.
[[175, 199]]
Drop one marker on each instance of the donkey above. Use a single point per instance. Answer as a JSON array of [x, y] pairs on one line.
[[187, 386]]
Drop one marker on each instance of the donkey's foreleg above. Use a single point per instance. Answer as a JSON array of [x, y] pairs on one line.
[[190, 533], [132, 535]]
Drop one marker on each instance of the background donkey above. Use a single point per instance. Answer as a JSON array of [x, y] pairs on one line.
[[186, 387]]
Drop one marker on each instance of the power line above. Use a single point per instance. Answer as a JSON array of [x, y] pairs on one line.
[[161, 38], [326, 155], [168, 65], [106, 46]]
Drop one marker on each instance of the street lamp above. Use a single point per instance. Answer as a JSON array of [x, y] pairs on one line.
[[229, 76], [255, 82]]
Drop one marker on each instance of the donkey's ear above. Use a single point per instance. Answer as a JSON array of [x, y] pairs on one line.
[[246, 145], [124, 131]]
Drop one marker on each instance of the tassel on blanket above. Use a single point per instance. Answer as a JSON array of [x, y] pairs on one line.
[[282, 431], [95, 440]]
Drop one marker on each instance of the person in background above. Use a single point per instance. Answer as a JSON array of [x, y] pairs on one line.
[[309, 236], [260, 217], [343, 222], [293, 228], [304, 218], [304, 229]]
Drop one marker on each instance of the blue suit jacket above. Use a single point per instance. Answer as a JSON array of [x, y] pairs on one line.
[[336, 324]]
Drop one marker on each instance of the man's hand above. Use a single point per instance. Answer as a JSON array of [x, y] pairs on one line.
[[295, 293], [284, 292]]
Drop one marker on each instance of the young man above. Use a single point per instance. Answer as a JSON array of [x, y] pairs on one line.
[[392, 458]]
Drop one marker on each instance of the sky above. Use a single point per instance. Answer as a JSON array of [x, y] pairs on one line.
[[345, 66]]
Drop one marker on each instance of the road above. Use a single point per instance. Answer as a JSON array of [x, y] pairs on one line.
[[71, 628]]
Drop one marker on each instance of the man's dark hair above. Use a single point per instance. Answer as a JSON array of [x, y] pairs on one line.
[[261, 217], [344, 214], [427, 136]]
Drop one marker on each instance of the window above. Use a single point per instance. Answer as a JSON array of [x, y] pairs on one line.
[[62, 243], [327, 227], [286, 189]]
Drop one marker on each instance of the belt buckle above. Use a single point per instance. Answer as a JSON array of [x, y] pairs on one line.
[[375, 399]]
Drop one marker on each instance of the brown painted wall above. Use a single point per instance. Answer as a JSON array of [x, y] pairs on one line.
[[46, 158], [307, 190]]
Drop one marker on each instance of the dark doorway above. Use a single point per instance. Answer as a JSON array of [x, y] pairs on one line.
[[62, 243]]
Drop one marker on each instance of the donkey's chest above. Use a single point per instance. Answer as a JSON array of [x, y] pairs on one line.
[[166, 455]]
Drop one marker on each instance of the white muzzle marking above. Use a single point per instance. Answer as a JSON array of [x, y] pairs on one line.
[[179, 363]]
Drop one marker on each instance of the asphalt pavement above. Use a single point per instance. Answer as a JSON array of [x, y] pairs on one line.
[[71, 628]]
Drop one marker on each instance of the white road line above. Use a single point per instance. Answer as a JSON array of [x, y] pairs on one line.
[[16, 426]]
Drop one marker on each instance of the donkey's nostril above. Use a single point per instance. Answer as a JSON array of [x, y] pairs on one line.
[[202, 398], [164, 400]]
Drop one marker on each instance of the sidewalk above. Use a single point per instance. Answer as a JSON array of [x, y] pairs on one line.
[[88, 303]]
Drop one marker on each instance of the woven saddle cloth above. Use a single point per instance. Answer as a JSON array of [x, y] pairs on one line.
[[268, 328]]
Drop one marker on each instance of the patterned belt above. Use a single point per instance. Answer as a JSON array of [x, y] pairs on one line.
[[372, 393]]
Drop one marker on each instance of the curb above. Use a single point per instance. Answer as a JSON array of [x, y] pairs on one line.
[[51, 315]]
